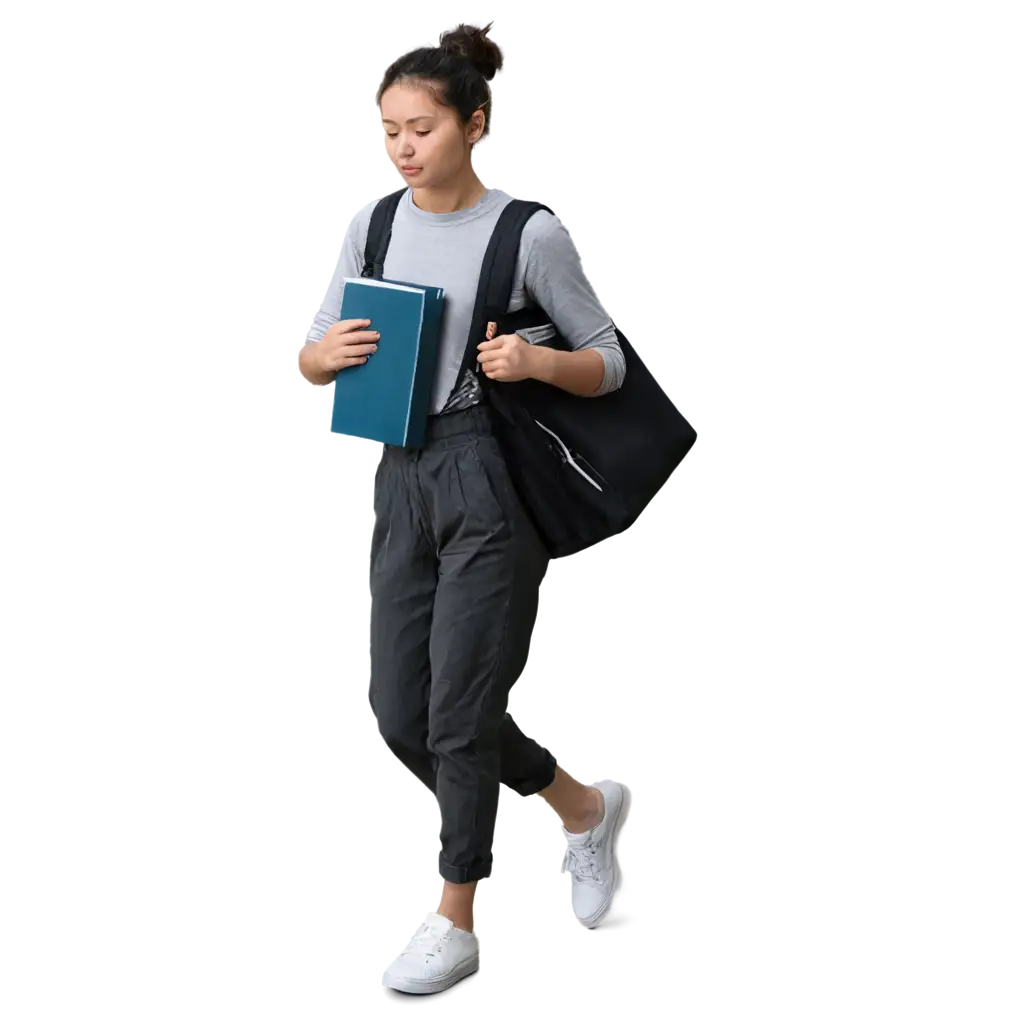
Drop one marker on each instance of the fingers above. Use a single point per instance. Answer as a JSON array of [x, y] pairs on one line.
[[344, 362], [357, 338], [346, 347], [348, 355], [490, 351], [360, 350], [494, 361], [342, 348], [493, 365], [494, 348], [335, 364]]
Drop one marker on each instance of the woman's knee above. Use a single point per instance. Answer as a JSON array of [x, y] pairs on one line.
[[410, 757], [400, 735]]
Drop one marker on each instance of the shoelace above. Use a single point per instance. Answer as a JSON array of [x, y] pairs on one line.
[[581, 862], [425, 941]]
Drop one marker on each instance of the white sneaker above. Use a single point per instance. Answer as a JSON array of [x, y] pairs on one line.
[[590, 857], [438, 955]]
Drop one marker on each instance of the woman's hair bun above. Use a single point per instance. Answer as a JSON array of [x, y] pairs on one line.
[[472, 42]]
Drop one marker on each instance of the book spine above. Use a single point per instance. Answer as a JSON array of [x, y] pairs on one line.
[[413, 431], [426, 364]]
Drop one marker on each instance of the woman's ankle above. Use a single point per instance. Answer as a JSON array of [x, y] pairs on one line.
[[589, 814], [579, 807], [457, 904]]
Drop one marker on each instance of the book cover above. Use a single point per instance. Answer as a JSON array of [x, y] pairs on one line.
[[387, 398]]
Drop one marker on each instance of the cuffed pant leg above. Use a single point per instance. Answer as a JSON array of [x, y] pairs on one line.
[[491, 567]]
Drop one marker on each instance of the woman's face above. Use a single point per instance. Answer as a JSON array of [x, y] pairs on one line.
[[424, 134]]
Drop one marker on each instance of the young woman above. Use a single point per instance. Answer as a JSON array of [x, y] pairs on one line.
[[455, 562]]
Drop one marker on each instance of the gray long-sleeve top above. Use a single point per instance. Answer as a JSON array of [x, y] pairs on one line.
[[446, 250]]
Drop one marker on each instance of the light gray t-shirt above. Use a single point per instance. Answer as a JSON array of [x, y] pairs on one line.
[[447, 250]]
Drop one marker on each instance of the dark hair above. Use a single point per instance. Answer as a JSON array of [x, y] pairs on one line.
[[463, 64]]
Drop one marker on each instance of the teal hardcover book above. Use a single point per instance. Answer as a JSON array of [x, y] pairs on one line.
[[387, 398]]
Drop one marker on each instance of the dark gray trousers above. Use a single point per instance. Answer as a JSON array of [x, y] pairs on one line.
[[455, 570]]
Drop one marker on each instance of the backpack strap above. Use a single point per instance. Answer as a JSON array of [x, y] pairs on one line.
[[378, 238], [497, 275]]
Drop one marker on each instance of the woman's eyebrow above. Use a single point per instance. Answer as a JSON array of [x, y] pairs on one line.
[[418, 117]]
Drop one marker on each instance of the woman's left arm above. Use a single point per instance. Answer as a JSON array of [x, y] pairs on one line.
[[554, 276]]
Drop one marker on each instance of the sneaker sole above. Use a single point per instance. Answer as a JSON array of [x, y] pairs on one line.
[[416, 987]]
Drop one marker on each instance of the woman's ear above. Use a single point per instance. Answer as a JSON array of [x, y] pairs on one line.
[[478, 126]]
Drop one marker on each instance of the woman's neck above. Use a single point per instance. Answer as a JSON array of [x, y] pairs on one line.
[[449, 198]]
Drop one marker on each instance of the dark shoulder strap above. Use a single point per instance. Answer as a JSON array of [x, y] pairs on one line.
[[379, 235], [497, 275]]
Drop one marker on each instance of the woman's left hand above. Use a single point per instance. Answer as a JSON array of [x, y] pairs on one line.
[[506, 357]]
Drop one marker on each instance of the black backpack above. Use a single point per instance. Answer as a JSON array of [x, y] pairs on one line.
[[584, 468]]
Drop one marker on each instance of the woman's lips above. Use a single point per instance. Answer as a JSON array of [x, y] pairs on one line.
[[411, 170]]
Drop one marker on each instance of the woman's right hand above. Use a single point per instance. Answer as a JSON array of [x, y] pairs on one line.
[[344, 344]]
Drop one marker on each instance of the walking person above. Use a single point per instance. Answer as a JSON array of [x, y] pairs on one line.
[[455, 562]]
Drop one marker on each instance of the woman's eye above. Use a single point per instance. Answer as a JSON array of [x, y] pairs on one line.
[[391, 135]]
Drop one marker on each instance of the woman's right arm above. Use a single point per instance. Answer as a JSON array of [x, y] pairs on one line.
[[320, 358], [309, 365]]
